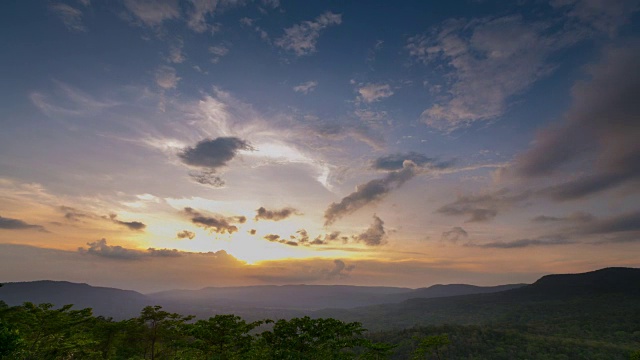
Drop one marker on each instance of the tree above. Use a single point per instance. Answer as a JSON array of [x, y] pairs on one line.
[[223, 337], [431, 346], [306, 338], [162, 332]]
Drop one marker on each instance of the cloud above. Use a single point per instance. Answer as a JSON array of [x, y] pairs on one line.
[[302, 38], [176, 55], [207, 177], [481, 208], [153, 12], [600, 130], [456, 233], [370, 192], [131, 225], [522, 243], [489, 61], [374, 235], [275, 215], [220, 225], [360, 132], [626, 222], [16, 224], [68, 101], [102, 249], [70, 16], [374, 92], [306, 87], [603, 16], [278, 239], [74, 214], [213, 154], [394, 162], [340, 270], [186, 234], [576, 217], [218, 52], [166, 77]]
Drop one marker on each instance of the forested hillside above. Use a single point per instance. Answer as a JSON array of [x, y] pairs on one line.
[[583, 316]]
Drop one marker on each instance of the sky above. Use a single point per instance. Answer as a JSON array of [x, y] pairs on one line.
[[153, 145]]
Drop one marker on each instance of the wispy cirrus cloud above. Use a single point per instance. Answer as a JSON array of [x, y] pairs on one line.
[[490, 61], [301, 38], [305, 87], [166, 77], [374, 92], [153, 13], [70, 16]]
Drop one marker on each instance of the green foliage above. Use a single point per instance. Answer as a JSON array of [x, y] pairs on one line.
[[635, 355], [42, 332], [223, 337], [306, 338], [431, 347]]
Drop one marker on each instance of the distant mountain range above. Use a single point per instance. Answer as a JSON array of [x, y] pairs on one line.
[[251, 301], [599, 296], [376, 307]]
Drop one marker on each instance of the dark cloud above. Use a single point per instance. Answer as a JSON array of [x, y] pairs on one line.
[[220, 225], [186, 234], [522, 243], [102, 249], [272, 237], [600, 132], [456, 233], [340, 270], [73, 214], [213, 154], [278, 239], [481, 208], [15, 224], [619, 223], [579, 217], [208, 178], [370, 192], [275, 215], [374, 235], [131, 225], [394, 162]]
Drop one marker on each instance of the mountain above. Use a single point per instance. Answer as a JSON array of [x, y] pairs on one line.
[[610, 293], [313, 297], [116, 303], [252, 302]]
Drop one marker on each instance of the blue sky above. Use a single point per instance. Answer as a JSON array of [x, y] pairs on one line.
[[375, 143]]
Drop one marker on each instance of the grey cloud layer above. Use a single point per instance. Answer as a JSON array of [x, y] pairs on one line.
[[16, 224], [601, 129], [481, 208], [101, 248]]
